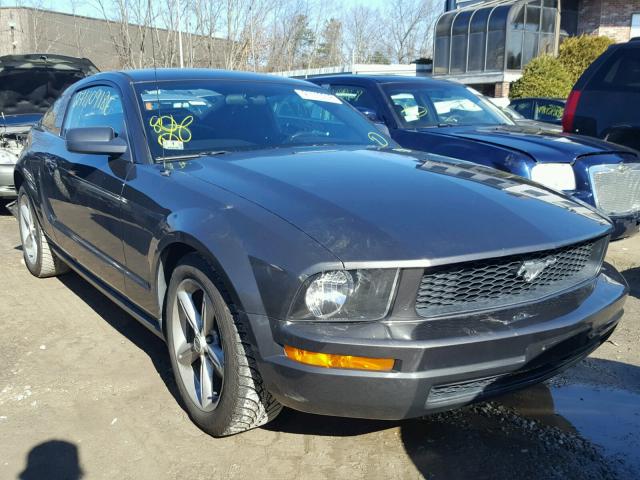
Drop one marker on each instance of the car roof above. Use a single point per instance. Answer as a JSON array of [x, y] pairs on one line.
[[382, 79], [165, 74], [521, 99]]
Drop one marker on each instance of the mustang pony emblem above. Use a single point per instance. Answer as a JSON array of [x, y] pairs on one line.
[[531, 269]]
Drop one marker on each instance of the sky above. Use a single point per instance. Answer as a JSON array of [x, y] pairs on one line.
[[88, 9]]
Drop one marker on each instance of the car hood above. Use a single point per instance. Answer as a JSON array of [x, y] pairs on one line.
[[537, 125], [31, 83], [18, 123], [376, 206], [543, 145]]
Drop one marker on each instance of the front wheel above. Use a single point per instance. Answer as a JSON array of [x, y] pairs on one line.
[[38, 257], [213, 364]]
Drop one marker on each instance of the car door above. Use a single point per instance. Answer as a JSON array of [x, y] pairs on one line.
[[88, 188]]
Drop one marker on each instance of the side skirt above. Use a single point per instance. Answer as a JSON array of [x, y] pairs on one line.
[[123, 302]]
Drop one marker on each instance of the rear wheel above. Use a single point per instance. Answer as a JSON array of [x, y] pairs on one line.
[[213, 363], [38, 257]]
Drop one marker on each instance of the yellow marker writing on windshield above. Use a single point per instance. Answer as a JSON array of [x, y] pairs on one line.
[[169, 130]]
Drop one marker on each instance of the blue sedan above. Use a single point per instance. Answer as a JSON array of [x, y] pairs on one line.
[[449, 119]]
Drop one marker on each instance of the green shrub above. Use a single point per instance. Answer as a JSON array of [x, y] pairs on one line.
[[548, 76], [543, 76], [577, 53]]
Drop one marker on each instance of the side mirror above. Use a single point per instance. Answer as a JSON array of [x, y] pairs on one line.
[[95, 140]]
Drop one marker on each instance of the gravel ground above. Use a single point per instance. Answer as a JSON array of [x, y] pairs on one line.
[[87, 391]]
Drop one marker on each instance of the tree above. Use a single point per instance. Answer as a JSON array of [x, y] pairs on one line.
[[362, 33], [410, 25], [380, 57], [330, 48], [543, 76], [577, 53]]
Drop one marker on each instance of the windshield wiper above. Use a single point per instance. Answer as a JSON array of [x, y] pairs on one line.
[[187, 156], [438, 125]]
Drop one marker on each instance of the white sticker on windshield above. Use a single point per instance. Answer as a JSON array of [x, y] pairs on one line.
[[172, 144], [317, 96]]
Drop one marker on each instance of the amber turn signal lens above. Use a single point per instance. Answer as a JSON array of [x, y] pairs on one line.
[[329, 360]]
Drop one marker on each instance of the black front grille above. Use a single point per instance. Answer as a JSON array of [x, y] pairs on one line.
[[502, 281], [542, 367]]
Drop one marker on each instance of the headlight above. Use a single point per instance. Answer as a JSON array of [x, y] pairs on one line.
[[345, 295], [558, 176]]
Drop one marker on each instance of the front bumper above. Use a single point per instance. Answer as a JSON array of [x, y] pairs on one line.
[[440, 364], [7, 189], [625, 225]]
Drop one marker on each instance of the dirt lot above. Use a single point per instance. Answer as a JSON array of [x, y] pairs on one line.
[[86, 391]]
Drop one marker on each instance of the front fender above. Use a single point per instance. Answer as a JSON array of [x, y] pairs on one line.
[[261, 259]]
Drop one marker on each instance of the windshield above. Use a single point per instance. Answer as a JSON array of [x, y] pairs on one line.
[[33, 90], [423, 106], [201, 117]]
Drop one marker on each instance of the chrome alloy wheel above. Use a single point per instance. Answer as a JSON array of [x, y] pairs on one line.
[[197, 345], [28, 230]]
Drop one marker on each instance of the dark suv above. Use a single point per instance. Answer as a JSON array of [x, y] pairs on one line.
[[604, 102]]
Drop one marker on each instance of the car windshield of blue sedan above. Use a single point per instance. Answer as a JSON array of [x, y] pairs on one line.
[[214, 117], [425, 106]]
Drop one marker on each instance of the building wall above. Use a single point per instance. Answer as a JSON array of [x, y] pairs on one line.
[[611, 18], [27, 30], [36, 31]]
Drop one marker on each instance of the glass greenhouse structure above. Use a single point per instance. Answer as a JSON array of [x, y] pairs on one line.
[[492, 37]]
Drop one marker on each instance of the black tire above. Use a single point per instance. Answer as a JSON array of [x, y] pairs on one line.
[[244, 403], [44, 263]]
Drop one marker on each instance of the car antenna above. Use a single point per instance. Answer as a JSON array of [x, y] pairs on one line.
[[4, 126], [165, 171]]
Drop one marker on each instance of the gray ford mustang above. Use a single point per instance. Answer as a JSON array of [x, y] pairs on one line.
[[291, 254]]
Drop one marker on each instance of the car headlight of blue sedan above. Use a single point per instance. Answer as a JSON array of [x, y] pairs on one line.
[[558, 176]]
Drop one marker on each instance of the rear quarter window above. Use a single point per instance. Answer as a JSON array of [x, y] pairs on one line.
[[621, 72], [52, 119]]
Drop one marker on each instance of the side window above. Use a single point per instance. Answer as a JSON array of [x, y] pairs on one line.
[[408, 107], [359, 97], [549, 111], [52, 119], [96, 107], [621, 72], [523, 108], [635, 25]]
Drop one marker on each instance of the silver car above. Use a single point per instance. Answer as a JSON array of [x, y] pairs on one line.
[[29, 86]]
